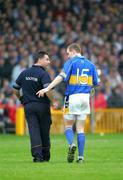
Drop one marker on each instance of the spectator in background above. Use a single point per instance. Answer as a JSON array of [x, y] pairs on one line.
[[10, 110], [114, 78], [120, 66], [6, 89], [100, 101], [115, 100], [7, 114], [18, 69]]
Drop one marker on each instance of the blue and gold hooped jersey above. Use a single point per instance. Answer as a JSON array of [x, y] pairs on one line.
[[80, 75]]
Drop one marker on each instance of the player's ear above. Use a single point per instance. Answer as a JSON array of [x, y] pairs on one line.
[[40, 60]]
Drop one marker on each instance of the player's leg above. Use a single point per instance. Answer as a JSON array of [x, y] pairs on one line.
[[80, 123], [68, 123], [69, 131]]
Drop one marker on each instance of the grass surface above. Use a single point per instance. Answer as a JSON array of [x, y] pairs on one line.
[[103, 159]]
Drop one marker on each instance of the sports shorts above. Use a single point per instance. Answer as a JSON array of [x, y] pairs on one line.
[[76, 106]]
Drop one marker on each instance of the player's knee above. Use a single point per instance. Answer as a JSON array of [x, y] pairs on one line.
[[79, 129], [68, 124], [68, 127]]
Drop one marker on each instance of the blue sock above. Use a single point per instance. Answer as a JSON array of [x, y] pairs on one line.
[[69, 135], [81, 143]]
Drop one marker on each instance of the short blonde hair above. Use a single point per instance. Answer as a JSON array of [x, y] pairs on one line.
[[74, 46]]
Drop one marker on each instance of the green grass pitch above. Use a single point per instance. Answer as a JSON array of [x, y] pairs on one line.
[[103, 159]]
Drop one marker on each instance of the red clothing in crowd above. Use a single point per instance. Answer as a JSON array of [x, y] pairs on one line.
[[11, 112], [100, 101]]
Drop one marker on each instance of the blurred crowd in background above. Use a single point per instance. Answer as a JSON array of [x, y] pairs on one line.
[[27, 26]]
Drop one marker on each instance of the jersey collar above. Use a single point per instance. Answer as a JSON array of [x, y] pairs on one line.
[[38, 66]]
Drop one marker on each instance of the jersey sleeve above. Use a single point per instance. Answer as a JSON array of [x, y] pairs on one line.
[[45, 80], [66, 71], [18, 82], [96, 79]]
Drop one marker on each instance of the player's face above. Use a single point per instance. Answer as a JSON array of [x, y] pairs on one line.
[[70, 54]]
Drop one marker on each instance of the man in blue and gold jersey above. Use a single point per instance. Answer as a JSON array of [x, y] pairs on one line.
[[80, 76]]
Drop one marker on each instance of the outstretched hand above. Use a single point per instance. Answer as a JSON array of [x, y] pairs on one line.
[[41, 92]]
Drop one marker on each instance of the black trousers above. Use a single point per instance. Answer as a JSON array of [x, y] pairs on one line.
[[38, 118]]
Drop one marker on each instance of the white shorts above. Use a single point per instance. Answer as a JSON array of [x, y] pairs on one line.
[[77, 107]]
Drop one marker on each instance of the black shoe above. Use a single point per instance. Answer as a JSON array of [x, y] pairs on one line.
[[45, 160], [38, 160], [80, 160], [71, 153]]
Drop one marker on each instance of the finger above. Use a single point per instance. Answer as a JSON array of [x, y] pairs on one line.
[[37, 93]]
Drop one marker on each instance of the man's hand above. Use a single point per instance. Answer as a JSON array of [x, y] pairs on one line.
[[41, 92]]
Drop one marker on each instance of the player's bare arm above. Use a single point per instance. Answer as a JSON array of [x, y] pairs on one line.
[[55, 82]]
